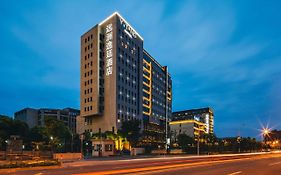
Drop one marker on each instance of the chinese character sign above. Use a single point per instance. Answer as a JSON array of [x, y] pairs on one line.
[[108, 49]]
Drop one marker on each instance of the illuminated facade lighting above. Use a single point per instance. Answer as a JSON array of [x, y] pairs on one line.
[[120, 73]]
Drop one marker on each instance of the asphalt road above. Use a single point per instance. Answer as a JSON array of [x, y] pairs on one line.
[[264, 164]]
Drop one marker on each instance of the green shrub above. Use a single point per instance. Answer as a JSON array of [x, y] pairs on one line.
[[22, 164]]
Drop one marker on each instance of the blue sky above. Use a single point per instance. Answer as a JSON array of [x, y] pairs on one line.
[[224, 54]]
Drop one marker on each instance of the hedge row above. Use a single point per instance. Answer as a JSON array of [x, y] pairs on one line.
[[22, 164]]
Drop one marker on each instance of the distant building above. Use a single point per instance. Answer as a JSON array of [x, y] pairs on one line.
[[28, 115], [274, 135], [192, 122], [273, 138], [35, 117]]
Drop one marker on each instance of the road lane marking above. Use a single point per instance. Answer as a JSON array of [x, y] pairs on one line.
[[237, 172], [276, 163], [155, 168]]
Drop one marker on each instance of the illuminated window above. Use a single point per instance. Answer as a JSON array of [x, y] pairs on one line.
[[108, 147]]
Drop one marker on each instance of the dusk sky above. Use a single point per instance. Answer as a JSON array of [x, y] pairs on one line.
[[222, 54]]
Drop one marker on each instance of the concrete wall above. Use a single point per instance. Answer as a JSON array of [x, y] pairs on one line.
[[67, 156], [137, 151]]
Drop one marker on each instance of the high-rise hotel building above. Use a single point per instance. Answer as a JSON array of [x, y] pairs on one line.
[[121, 81]]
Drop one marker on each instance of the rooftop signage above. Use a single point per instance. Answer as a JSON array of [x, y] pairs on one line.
[[127, 28]]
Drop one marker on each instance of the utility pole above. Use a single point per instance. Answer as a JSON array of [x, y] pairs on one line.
[[198, 144], [71, 141], [166, 116], [239, 143], [100, 147], [81, 147]]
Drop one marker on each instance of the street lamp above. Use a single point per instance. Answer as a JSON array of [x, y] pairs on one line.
[[51, 143], [265, 132], [239, 143]]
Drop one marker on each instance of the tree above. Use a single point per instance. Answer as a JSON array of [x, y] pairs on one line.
[[20, 128], [185, 141], [38, 134], [8, 127], [209, 139], [5, 127], [37, 138], [58, 134], [131, 130]]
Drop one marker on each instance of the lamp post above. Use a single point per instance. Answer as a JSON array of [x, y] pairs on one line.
[[239, 144], [265, 132], [81, 144], [71, 141], [198, 144], [52, 143]]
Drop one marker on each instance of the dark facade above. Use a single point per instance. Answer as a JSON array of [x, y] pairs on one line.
[[120, 81], [273, 139], [36, 117], [273, 135], [157, 100], [203, 115]]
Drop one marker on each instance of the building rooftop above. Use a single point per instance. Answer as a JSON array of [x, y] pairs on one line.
[[116, 13], [198, 110]]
